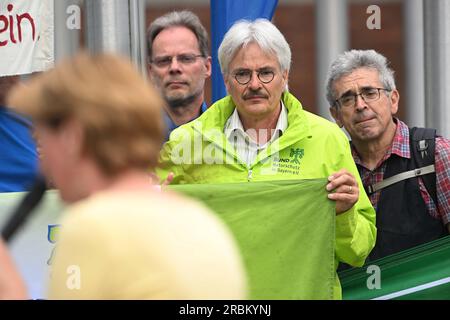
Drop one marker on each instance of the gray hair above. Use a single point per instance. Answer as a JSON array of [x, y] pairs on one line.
[[349, 61], [183, 18], [261, 32]]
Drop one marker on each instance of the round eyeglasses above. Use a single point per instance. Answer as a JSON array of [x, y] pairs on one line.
[[244, 76]]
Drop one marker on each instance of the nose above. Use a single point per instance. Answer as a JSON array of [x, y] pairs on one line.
[[174, 65], [254, 83], [359, 102]]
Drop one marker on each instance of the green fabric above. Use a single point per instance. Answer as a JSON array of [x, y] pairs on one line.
[[310, 148], [287, 246], [418, 273]]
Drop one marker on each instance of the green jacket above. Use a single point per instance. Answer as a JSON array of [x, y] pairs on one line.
[[311, 147]]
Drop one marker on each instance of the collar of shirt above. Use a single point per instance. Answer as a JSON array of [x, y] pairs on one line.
[[170, 125], [234, 126], [400, 144], [245, 147]]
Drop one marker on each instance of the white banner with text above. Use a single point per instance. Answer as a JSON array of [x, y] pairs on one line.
[[26, 36]]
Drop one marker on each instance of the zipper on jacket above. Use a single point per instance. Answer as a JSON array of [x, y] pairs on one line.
[[249, 175]]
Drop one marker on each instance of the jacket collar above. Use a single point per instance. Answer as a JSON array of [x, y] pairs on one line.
[[214, 119]]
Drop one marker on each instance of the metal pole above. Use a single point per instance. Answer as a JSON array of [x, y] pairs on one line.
[[117, 26], [108, 26], [67, 30], [437, 65], [331, 39], [138, 34], [414, 57]]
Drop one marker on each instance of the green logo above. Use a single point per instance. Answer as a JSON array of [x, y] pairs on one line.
[[297, 154]]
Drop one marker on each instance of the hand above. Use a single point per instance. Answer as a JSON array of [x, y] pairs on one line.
[[344, 189], [155, 180], [168, 180]]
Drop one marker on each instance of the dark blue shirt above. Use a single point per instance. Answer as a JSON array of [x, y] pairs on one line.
[[170, 125], [18, 155]]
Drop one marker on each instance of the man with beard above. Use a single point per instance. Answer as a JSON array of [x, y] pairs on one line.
[[394, 161], [179, 64]]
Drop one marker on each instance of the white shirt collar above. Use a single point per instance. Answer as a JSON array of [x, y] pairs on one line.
[[234, 124]]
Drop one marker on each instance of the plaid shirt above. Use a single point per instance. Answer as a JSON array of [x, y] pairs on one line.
[[400, 147]]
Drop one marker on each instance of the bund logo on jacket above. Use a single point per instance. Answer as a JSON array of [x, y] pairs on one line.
[[289, 164]]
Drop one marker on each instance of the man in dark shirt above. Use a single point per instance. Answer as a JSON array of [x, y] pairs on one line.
[[179, 64]]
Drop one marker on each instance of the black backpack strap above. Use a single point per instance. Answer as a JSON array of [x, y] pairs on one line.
[[423, 145]]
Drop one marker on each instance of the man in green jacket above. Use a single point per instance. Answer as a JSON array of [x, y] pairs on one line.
[[261, 132]]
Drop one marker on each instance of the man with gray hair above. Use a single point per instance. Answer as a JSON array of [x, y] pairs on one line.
[[406, 172], [260, 132], [179, 64]]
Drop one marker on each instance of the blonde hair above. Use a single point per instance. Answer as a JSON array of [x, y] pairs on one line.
[[120, 113]]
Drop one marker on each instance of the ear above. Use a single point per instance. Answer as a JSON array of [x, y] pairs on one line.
[[208, 66], [285, 76], [394, 98], [336, 116], [149, 70], [227, 82]]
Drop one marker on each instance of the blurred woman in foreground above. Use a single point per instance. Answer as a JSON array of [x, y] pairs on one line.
[[100, 129]]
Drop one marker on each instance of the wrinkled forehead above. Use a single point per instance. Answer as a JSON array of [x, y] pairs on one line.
[[357, 79]]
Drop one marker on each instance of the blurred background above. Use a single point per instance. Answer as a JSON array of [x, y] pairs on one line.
[[413, 34]]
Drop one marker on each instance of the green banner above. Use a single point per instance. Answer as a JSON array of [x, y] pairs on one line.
[[285, 231], [420, 273]]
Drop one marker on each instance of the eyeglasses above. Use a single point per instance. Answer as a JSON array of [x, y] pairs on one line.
[[367, 94], [184, 59], [244, 76]]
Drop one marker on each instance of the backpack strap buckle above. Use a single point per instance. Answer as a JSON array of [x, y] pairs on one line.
[[422, 147]]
